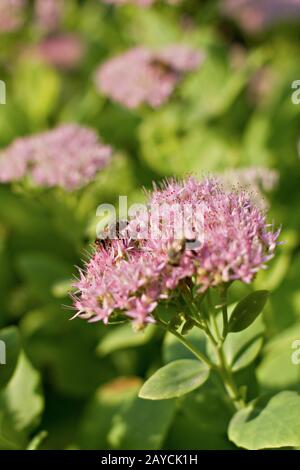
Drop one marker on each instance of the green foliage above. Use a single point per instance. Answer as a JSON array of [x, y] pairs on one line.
[[10, 340], [277, 371], [242, 349], [174, 380], [247, 311], [268, 422], [106, 404], [122, 337], [79, 382], [21, 406], [129, 430], [202, 420]]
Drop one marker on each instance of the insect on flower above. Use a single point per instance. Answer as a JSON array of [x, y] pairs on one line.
[[112, 231]]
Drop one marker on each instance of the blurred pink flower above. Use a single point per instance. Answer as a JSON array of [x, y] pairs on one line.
[[256, 15], [256, 179], [253, 177], [131, 276], [48, 13], [68, 156], [64, 51], [11, 14], [141, 75]]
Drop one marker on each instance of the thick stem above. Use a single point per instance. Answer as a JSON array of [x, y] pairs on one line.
[[229, 383]]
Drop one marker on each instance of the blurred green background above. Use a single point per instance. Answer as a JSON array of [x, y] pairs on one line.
[[79, 381]]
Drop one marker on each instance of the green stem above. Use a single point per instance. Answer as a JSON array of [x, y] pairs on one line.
[[227, 377], [214, 320], [187, 344], [223, 297], [221, 367], [224, 369]]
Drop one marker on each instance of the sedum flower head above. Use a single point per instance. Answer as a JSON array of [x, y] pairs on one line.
[[68, 156], [143, 76], [132, 274]]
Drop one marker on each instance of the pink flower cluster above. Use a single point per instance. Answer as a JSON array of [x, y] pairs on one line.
[[256, 15], [48, 13], [132, 275], [11, 14], [141, 75], [68, 156], [64, 51]]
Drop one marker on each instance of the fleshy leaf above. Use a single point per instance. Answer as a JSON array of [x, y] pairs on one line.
[[174, 380], [247, 310], [268, 422], [281, 354]]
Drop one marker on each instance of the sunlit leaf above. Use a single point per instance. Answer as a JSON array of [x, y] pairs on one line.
[[268, 422], [175, 379]]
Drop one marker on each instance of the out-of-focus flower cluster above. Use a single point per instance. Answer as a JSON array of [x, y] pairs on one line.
[[257, 179], [11, 14], [256, 15], [68, 156], [48, 13], [142, 75], [133, 274], [64, 51]]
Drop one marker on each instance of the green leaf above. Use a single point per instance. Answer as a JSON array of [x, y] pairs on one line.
[[202, 419], [10, 346], [41, 271], [278, 356], [62, 288], [174, 380], [45, 81], [268, 422], [21, 404], [105, 404], [169, 148], [37, 440], [42, 330], [121, 337], [242, 349], [247, 310], [141, 425]]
